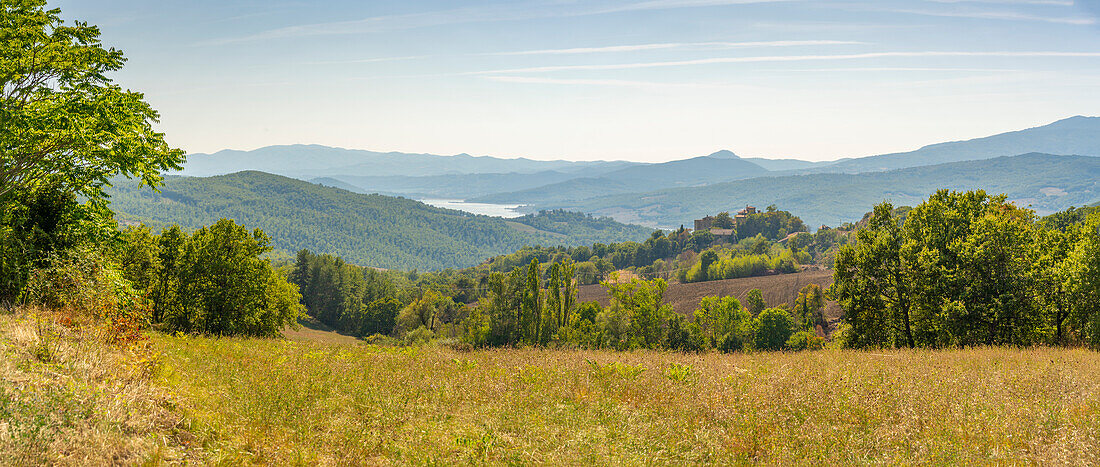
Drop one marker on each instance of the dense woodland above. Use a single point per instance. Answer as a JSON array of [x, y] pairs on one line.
[[372, 230]]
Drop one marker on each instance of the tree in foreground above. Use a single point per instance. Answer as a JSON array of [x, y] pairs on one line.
[[65, 130], [62, 119], [213, 281], [964, 268]]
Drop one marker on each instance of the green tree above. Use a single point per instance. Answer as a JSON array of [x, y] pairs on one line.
[[531, 309], [561, 297], [810, 306], [429, 312], [62, 119], [226, 288], [381, 316], [723, 323], [774, 327], [972, 257], [755, 302], [1083, 271], [707, 259], [723, 220], [874, 283], [641, 304]]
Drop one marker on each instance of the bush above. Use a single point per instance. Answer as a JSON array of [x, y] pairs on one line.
[[419, 336], [805, 340], [774, 327]]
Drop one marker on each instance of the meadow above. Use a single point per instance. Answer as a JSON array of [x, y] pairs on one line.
[[279, 401]]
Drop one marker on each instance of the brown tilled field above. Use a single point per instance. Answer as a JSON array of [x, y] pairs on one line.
[[777, 289]]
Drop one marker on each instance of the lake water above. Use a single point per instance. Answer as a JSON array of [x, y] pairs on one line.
[[507, 211]]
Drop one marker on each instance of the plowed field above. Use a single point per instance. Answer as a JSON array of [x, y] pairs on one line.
[[777, 289]]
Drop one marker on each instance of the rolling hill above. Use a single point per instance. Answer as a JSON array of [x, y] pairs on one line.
[[1046, 182], [370, 230], [1076, 135], [717, 167]]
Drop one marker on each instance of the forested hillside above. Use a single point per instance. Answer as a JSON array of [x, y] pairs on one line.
[[371, 230], [1046, 182]]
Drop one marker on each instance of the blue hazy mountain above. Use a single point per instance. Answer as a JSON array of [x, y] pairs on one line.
[[311, 161], [1076, 135], [1045, 182]]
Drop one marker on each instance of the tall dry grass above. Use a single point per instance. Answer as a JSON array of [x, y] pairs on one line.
[[298, 402], [70, 395]]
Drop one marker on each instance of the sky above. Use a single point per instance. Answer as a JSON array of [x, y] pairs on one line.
[[642, 80]]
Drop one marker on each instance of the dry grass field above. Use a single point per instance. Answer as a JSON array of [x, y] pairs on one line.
[[282, 402]]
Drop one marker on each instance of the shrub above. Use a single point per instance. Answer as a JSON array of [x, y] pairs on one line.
[[774, 327], [805, 340], [419, 336]]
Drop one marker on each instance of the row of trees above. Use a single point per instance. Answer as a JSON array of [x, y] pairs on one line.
[[520, 310], [967, 268], [352, 299], [212, 281]]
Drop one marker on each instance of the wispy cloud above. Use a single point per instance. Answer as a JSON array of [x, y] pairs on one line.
[[790, 58], [1001, 15], [675, 45], [367, 60], [899, 68], [672, 4], [510, 12], [618, 83], [1010, 2]]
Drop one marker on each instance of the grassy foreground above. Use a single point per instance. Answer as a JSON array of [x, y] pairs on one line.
[[273, 401], [279, 402]]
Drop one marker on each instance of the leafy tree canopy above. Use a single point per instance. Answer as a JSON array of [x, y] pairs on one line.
[[62, 119]]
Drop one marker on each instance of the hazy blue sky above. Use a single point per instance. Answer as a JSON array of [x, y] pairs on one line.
[[644, 80]]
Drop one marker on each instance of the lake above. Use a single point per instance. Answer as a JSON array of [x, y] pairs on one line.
[[507, 211]]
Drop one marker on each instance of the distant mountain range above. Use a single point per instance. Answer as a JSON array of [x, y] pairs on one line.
[[1048, 167], [1075, 135], [370, 230], [311, 161], [1045, 182]]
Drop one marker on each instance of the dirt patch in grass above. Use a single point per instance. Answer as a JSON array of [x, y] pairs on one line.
[[309, 329]]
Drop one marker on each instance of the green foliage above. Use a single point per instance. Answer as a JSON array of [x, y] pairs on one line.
[[369, 230], [419, 336], [429, 312], [755, 302], [680, 373], [805, 340], [615, 370], [774, 327], [723, 220], [213, 281], [739, 265], [361, 301], [966, 269], [810, 307], [62, 120], [1083, 271], [723, 323]]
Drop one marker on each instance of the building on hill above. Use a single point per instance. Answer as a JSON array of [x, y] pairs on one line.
[[704, 223], [745, 213], [721, 232]]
